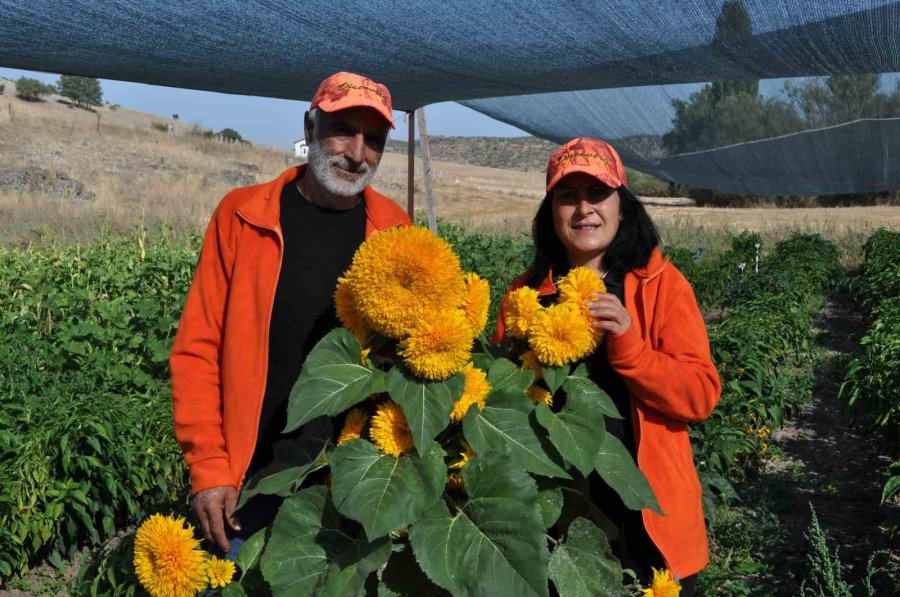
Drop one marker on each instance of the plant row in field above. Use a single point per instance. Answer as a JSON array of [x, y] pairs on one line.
[[86, 442], [872, 381], [762, 347]]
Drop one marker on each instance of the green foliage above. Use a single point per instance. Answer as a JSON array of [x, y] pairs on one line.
[[160, 126], [767, 334], [583, 565], [497, 258], [86, 440], [493, 544], [230, 135], [84, 92], [32, 89]]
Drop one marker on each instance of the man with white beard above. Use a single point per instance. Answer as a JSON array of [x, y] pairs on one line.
[[263, 295]]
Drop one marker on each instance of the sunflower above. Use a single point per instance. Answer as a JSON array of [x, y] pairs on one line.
[[465, 456], [663, 585], [530, 361], [559, 335], [578, 287], [454, 478], [539, 395], [348, 314], [478, 299], [220, 572], [353, 425], [519, 310], [476, 390], [389, 430], [438, 345], [167, 558], [402, 274]]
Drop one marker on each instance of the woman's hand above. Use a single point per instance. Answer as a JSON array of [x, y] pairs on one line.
[[609, 313]]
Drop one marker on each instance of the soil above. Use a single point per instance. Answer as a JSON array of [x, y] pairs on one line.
[[834, 465]]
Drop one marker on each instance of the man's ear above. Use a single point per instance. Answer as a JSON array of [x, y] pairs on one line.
[[308, 127]]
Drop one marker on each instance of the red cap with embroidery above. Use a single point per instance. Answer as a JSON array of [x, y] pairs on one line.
[[590, 156], [347, 90]]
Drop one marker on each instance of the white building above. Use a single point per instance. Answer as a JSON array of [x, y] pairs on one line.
[[301, 149]]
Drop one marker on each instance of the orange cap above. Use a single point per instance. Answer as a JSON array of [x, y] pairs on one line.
[[347, 90], [591, 156]]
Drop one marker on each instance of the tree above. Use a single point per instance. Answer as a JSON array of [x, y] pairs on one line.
[[83, 91], [734, 31], [230, 135], [32, 89], [842, 98]]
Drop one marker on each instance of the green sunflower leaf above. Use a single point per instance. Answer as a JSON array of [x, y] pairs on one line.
[[617, 467], [384, 493], [331, 381], [294, 460], [505, 426], [550, 499], [584, 565], [426, 406], [555, 376], [494, 544], [577, 430], [504, 375], [310, 553], [578, 383]]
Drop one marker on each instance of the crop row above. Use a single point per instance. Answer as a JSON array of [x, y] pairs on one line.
[[872, 382]]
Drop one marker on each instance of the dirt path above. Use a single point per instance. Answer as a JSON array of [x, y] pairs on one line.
[[832, 464]]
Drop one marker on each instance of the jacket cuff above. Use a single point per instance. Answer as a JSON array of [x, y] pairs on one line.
[[624, 348], [210, 472]]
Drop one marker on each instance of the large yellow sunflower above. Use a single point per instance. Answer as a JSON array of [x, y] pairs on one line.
[[578, 287], [477, 302], [476, 390], [560, 334], [663, 585], [220, 572], [353, 425], [402, 274], [347, 312], [438, 345], [520, 309], [167, 558], [389, 430]]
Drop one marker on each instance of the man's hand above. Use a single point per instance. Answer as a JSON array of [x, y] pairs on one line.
[[214, 508], [609, 313]]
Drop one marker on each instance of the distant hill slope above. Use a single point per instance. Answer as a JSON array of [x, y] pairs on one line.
[[527, 154], [509, 153]]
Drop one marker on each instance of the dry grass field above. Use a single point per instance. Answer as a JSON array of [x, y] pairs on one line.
[[133, 173]]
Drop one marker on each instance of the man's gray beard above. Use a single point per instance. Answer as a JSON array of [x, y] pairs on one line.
[[320, 166]]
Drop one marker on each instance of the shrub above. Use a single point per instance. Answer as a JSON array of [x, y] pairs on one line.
[[32, 89], [160, 126]]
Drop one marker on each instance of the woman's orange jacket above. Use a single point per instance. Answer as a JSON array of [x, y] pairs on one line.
[[220, 357], [665, 361]]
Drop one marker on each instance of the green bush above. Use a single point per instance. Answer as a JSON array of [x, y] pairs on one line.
[[85, 410], [32, 89]]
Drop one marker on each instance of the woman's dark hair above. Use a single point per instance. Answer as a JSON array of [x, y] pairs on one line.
[[634, 241]]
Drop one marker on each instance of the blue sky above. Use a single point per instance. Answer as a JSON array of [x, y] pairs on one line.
[[266, 120]]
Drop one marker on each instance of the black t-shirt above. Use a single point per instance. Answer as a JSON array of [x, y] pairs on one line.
[[318, 247]]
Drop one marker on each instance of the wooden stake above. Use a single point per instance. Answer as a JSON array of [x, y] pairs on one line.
[[411, 168], [426, 170]]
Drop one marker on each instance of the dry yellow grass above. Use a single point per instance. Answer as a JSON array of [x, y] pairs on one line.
[[141, 175]]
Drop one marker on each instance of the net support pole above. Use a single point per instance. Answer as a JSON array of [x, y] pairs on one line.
[[411, 166], [426, 170]]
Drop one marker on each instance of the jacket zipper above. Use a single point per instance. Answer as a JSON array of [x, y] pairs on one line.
[[265, 370], [636, 413]]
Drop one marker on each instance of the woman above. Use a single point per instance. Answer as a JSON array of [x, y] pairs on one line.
[[654, 361]]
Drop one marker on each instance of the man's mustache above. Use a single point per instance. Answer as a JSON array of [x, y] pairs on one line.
[[345, 164]]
